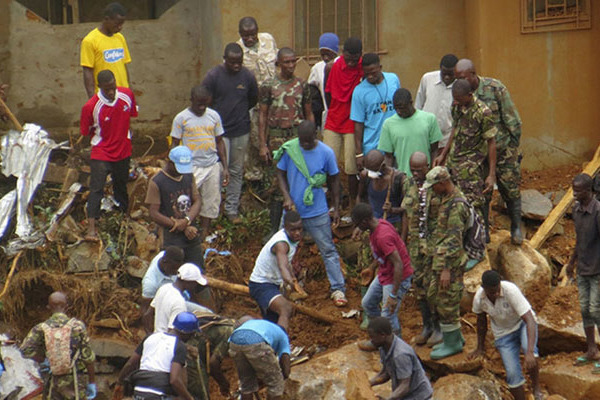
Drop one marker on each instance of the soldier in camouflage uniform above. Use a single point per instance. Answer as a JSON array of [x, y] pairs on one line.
[[508, 123], [420, 207], [260, 56], [472, 143], [211, 347], [34, 346], [448, 261], [284, 102]]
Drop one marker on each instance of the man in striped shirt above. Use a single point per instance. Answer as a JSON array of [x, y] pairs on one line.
[[105, 117]]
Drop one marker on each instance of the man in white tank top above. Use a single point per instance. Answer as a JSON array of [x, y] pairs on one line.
[[273, 269]]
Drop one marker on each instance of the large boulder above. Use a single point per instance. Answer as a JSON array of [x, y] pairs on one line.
[[559, 376], [465, 387], [528, 269], [111, 347], [87, 257], [327, 376], [535, 205], [358, 386]]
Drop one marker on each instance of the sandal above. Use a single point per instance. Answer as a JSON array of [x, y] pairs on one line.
[[583, 360], [339, 298], [596, 369]]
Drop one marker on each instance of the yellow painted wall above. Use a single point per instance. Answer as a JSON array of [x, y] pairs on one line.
[[549, 75], [417, 35]]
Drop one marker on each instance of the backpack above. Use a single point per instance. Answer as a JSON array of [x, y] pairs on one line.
[[474, 238], [58, 347]]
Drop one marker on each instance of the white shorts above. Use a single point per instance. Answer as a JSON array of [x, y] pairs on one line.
[[208, 180]]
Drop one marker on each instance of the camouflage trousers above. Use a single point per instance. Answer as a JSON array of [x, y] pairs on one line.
[[508, 173], [470, 178], [63, 387], [253, 166], [421, 264], [446, 303]]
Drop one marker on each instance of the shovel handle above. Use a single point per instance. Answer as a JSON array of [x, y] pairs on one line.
[[11, 116]]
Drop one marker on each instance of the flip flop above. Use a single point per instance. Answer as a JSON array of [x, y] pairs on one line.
[[596, 369], [583, 360]]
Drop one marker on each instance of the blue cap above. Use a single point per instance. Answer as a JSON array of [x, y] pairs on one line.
[[329, 41], [186, 322], [182, 158]]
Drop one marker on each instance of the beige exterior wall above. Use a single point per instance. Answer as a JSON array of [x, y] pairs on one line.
[[549, 75]]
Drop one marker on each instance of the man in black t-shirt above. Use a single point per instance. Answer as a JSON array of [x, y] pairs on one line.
[[159, 361]]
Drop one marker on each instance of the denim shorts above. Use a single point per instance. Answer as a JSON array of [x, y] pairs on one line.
[[263, 294], [510, 347]]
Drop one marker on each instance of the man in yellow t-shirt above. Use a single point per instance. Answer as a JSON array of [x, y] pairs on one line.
[[105, 48]]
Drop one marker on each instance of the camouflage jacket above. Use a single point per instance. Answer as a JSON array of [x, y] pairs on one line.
[[506, 117], [448, 251], [286, 101], [422, 217], [260, 59], [34, 343], [473, 126]]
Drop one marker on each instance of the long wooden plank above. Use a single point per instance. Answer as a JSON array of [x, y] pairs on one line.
[[561, 208]]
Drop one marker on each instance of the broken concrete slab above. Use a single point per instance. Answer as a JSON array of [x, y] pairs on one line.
[[559, 376], [535, 205], [111, 347], [465, 387], [87, 257], [528, 269], [326, 376]]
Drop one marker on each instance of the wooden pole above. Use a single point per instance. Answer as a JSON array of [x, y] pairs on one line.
[[244, 291], [11, 116], [561, 208]]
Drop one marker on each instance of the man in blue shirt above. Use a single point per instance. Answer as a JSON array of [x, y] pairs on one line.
[[371, 105], [318, 162], [261, 351]]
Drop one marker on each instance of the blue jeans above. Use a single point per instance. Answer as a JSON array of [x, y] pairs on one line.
[[509, 347], [377, 294], [589, 299], [319, 228]]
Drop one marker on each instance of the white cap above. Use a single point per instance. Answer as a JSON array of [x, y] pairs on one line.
[[190, 272]]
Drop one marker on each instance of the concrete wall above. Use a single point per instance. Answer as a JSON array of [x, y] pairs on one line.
[[551, 77], [47, 82]]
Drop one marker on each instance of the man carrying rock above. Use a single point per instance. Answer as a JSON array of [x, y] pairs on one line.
[[68, 368], [273, 269], [394, 275], [304, 165], [420, 206], [507, 121], [400, 364], [514, 328], [586, 257], [261, 352], [448, 260]]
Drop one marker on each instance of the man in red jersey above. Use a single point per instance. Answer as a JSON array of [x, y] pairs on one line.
[[105, 117]]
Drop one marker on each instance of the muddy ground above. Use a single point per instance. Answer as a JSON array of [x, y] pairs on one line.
[[101, 298]]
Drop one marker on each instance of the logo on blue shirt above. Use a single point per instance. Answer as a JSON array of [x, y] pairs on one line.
[[114, 55]]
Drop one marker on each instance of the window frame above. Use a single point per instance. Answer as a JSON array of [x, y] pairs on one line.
[[549, 23]]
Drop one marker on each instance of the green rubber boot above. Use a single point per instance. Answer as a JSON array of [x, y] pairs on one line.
[[452, 344], [365, 318]]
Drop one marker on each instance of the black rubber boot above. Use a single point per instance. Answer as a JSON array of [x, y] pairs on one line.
[[275, 213], [514, 212], [422, 338], [436, 336]]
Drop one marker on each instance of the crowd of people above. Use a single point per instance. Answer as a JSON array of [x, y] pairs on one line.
[[420, 178]]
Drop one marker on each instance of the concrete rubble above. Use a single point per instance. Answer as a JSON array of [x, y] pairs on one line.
[[535, 205], [574, 383], [465, 387]]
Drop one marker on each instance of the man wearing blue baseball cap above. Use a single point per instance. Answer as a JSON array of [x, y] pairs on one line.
[[174, 203], [328, 49], [159, 363]]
